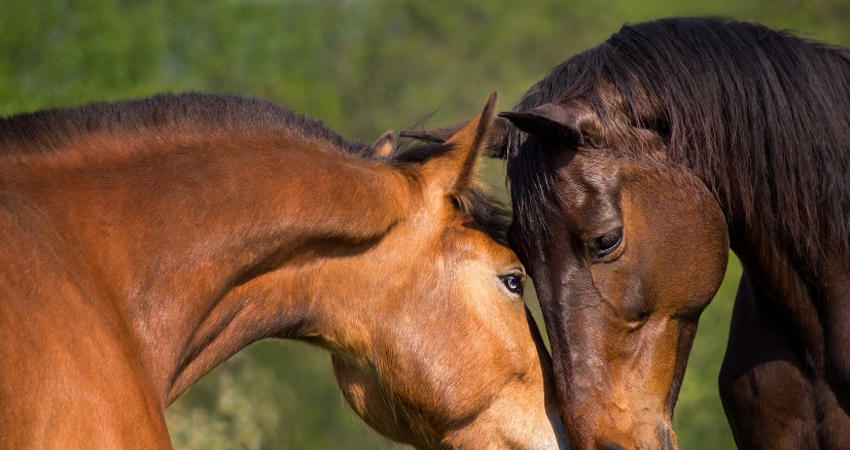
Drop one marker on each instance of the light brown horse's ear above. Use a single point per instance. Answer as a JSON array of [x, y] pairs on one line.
[[455, 170], [495, 145], [385, 145], [571, 121]]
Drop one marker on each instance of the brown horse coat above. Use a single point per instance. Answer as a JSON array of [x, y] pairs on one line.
[[145, 242], [634, 166]]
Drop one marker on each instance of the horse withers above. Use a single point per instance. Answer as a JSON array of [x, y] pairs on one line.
[[147, 241], [634, 166]]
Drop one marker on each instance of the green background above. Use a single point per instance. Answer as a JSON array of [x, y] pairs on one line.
[[362, 67]]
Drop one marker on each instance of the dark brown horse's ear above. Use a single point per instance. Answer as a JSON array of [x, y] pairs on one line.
[[495, 145], [455, 170], [563, 120], [385, 145]]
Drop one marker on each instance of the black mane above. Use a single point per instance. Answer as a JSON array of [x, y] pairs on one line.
[[49, 129], [761, 116]]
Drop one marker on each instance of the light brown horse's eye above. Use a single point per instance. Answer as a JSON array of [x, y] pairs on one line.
[[514, 283], [606, 244]]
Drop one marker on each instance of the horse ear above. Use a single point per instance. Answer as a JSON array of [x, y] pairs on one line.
[[455, 169], [495, 146], [571, 120], [385, 145]]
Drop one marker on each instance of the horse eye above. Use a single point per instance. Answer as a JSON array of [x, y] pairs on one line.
[[604, 245], [514, 283]]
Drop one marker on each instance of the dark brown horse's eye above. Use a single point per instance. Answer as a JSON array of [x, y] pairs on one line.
[[514, 283], [606, 244]]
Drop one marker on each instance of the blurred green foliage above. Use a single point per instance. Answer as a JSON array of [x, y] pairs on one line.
[[361, 66]]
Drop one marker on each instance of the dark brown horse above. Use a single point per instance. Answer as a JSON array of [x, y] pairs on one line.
[[145, 242], [634, 166]]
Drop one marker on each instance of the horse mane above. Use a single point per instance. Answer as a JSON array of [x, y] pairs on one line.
[[53, 129], [761, 116]]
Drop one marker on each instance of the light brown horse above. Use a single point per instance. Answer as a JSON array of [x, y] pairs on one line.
[[145, 242]]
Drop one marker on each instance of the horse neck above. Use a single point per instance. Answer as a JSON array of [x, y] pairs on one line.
[[177, 242], [793, 290]]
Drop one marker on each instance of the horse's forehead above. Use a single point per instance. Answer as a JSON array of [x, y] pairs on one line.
[[589, 179], [476, 244]]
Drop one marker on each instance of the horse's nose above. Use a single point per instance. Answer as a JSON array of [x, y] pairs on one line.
[[668, 445], [614, 447], [666, 442]]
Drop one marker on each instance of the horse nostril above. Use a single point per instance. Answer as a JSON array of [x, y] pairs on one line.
[[668, 441], [665, 436], [613, 447]]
